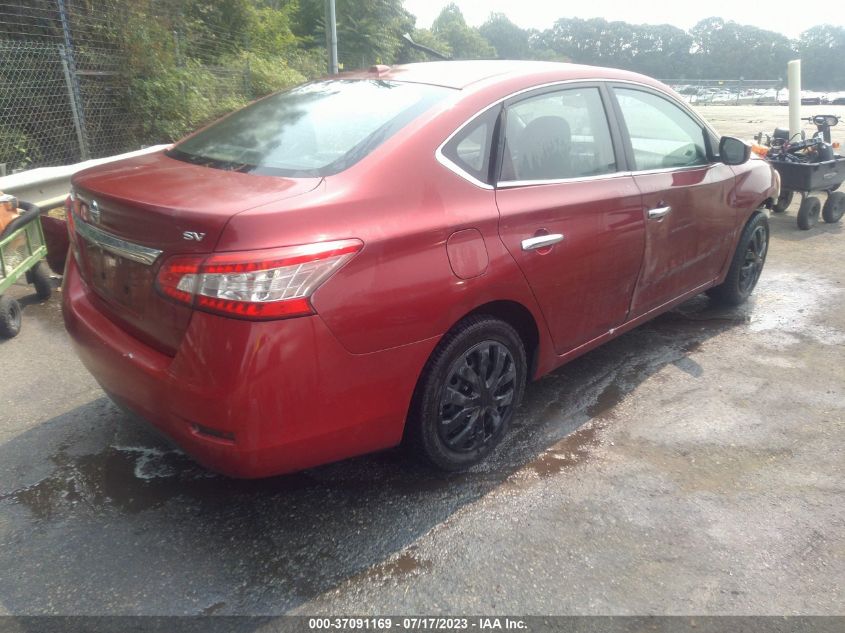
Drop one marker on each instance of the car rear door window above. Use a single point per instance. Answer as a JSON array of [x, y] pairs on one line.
[[557, 135], [662, 135], [470, 148]]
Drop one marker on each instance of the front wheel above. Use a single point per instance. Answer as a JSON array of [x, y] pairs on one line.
[[467, 394], [10, 317], [747, 263]]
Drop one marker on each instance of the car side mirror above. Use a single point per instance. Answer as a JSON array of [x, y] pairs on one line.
[[733, 151]]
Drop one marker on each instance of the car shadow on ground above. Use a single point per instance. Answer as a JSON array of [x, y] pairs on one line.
[[97, 515]]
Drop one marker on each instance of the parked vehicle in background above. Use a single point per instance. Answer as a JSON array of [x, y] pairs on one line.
[[392, 255]]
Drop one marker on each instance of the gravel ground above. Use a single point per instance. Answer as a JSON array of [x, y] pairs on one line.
[[692, 466]]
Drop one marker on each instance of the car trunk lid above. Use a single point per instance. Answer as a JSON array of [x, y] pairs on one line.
[[136, 213]]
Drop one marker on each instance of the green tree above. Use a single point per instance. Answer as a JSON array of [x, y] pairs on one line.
[[269, 29], [509, 40], [368, 31], [573, 38], [213, 28], [464, 41], [661, 51], [822, 50], [729, 50]]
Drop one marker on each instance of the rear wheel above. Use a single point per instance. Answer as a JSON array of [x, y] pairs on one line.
[[808, 214], [834, 207], [747, 263], [467, 394], [10, 317], [39, 276], [783, 202]]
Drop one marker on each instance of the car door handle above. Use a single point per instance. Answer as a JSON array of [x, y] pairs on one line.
[[659, 212], [541, 241]]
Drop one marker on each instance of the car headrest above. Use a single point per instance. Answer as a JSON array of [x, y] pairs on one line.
[[545, 146]]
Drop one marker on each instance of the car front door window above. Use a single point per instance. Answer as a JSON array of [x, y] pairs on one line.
[[662, 135]]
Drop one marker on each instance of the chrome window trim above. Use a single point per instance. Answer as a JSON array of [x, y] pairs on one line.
[[115, 245], [508, 184], [458, 171], [663, 170], [455, 168]]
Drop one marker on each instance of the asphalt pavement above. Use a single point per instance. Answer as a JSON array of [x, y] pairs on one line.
[[693, 466]]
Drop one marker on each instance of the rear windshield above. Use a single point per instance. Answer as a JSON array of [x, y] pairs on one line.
[[317, 129]]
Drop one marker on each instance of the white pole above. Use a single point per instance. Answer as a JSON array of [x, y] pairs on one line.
[[793, 79]]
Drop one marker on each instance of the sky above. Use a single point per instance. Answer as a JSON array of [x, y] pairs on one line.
[[783, 16]]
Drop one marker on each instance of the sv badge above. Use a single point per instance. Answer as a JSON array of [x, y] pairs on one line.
[[193, 236]]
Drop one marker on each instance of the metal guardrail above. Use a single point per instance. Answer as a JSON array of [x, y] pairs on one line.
[[49, 186]]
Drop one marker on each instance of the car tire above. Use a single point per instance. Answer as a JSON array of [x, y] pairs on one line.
[[783, 202], [467, 393], [39, 276], [746, 265], [808, 214], [10, 317], [834, 207]]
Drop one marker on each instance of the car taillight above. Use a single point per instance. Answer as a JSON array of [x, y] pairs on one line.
[[71, 209], [265, 284], [69, 202]]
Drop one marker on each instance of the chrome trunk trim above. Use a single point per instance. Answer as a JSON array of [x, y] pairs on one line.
[[117, 246]]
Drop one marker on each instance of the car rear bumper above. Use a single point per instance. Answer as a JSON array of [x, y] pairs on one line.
[[251, 399]]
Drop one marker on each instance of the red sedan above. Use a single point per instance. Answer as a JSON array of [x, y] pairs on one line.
[[392, 255]]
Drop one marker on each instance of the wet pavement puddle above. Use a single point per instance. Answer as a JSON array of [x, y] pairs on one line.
[[569, 408], [131, 479]]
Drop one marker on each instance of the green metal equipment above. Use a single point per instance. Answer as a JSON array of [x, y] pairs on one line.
[[22, 248]]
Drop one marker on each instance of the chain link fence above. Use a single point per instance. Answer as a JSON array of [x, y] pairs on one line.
[[69, 93], [36, 117]]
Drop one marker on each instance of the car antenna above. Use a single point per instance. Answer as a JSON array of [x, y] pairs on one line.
[[425, 49]]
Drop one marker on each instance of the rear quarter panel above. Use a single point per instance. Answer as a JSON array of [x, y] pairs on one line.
[[404, 206]]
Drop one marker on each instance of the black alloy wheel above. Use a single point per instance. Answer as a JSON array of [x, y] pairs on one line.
[[467, 393], [477, 397], [755, 257], [747, 263]]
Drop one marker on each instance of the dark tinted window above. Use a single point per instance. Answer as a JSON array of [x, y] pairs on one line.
[[470, 149], [561, 134], [316, 129]]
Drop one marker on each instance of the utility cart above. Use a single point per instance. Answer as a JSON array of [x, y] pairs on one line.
[[22, 250], [807, 179], [806, 167]]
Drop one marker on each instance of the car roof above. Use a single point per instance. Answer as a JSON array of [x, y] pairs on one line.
[[461, 74]]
